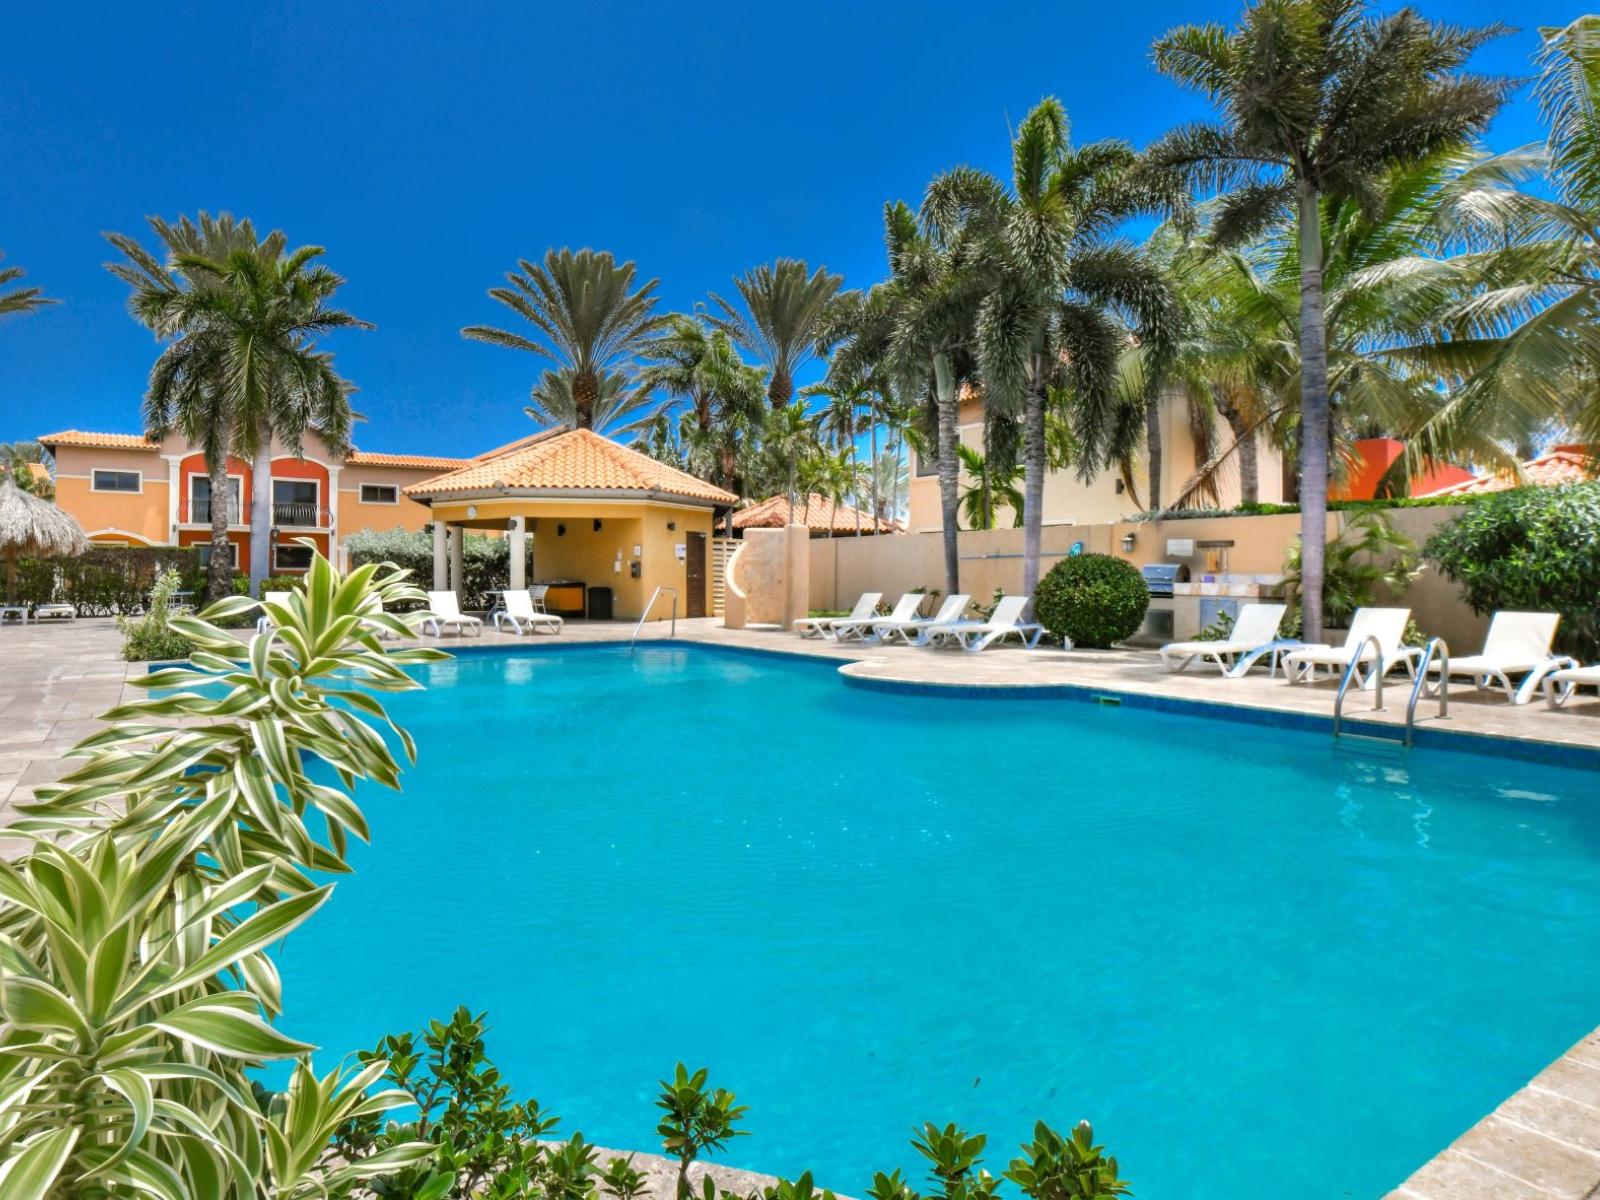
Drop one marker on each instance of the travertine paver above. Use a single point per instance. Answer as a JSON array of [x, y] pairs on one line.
[[1541, 1144]]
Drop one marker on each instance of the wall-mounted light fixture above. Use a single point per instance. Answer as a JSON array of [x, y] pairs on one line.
[[561, 531], [597, 524], [1127, 542], [672, 525]]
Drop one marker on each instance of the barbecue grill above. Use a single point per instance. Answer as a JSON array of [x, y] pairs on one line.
[[1159, 577]]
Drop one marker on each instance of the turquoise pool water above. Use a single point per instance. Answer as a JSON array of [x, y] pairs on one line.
[[1262, 967]]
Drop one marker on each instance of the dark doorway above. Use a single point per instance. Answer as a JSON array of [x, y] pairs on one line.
[[694, 582]]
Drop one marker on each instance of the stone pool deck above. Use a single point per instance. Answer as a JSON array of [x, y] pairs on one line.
[[1543, 1143]]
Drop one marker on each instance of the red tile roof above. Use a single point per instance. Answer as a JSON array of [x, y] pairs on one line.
[[425, 462], [1564, 464], [99, 441], [815, 512], [570, 460]]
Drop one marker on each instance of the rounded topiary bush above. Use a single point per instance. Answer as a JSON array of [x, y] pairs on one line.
[[1092, 600]]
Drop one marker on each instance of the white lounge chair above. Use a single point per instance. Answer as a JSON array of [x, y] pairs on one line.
[[866, 629], [1518, 643], [521, 615], [1005, 621], [823, 626], [1387, 625], [914, 631], [1256, 627], [444, 608], [264, 622], [1560, 686]]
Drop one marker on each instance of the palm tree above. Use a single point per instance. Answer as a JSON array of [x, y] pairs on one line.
[[590, 321], [840, 420], [18, 299], [1060, 293], [786, 307], [618, 411], [994, 483], [240, 318], [890, 477], [790, 451], [1319, 99], [18, 460]]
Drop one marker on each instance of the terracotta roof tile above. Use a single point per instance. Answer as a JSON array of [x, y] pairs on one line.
[[98, 441], [1563, 465], [814, 512], [570, 460], [429, 462]]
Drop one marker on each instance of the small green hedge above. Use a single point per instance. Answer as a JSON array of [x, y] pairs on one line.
[[1264, 509], [1533, 549], [486, 560], [1092, 600], [105, 580]]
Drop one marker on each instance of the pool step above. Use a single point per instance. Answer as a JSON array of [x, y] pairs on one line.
[[1370, 745]]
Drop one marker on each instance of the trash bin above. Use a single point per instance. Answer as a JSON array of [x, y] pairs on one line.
[[599, 604]]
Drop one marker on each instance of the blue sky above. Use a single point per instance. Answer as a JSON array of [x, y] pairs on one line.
[[428, 146]]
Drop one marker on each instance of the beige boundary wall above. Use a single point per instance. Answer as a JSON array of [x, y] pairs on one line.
[[844, 567]]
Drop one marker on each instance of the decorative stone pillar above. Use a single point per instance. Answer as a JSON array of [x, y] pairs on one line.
[[457, 561], [174, 482], [519, 554], [441, 582]]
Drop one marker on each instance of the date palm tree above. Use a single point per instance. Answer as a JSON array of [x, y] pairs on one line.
[[619, 410], [1318, 99], [1062, 296], [786, 307], [588, 317], [240, 317], [18, 459], [842, 418], [15, 299]]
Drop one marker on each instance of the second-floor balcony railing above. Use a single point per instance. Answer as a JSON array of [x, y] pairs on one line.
[[201, 513], [287, 516], [300, 516]]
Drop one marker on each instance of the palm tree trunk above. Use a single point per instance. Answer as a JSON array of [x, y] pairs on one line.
[[1314, 416], [947, 397], [261, 512], [1033, 458], [219, 573], [1152, 449], [780, 389], [872, 477], [1244, 437]]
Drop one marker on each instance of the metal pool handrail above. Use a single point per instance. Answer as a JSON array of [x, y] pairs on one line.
[[1422, 678], [1349, 674], [645, 616]]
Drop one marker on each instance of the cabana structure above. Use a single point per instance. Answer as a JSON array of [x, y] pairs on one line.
[[601, 515]]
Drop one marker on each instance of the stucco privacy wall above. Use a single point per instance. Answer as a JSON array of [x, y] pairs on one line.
[[844, 567], [774, 592]]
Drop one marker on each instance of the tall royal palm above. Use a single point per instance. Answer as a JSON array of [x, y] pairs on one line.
[[786, 307], [15, 299], [241, 316], [1318, 99], [590, 319], [1062, 295]]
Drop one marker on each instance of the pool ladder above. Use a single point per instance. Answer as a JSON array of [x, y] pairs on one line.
[[645, 616], [1435, 647]]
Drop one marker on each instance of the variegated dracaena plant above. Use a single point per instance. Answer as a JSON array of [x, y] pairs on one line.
[[135, 984]]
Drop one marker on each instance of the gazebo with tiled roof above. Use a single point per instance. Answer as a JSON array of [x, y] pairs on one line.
[[600, 514], [817, 513]]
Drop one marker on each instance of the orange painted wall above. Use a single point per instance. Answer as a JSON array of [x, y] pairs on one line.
[[1374, 456], [194, 465]]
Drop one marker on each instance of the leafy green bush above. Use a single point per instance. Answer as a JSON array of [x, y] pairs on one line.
[[486, 561], [1369, 556], [151, 638], [105, 580], [1530, 549], [1092, 600]]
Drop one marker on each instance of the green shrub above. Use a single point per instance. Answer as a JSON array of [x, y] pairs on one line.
[[1530, 549], [105, 580], [1368, 557], [151, 638], [486, 561], [1092, 600]]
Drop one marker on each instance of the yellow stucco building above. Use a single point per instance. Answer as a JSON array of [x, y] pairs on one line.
[[601, 515]]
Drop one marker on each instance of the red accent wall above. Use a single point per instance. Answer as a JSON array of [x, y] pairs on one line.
[[1374, 456]]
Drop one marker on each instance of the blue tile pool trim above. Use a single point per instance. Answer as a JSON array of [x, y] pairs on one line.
[[1426, 737]]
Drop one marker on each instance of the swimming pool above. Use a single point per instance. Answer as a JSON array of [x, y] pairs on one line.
[[1263, 967]]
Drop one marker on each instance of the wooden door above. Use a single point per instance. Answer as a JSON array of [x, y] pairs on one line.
[[694, 583]]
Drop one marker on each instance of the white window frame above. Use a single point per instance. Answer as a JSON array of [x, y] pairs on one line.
[[316, 483], [279, 547], [238, 484], [96, 472], [361, 493], [203, 550]]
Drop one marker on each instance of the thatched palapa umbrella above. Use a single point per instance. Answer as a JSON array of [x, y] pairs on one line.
[[33, 528]]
